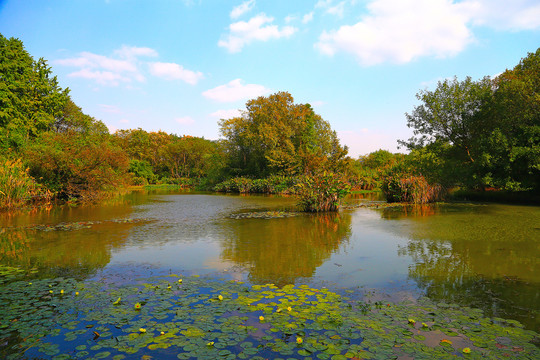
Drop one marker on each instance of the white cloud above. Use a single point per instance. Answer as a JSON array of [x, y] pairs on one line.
[[506, 15], [337, 10], [226, 114], [290, 18], [172, 71], [323, 3], [131, 52], [185, 120], [235, 91], [109, 70], [401, 30], [101, 77], [241, 9], [258, 28], [307, 18], [92, 61]]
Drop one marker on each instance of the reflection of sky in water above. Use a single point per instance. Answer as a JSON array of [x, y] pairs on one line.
[[484, 255], [191, 233]]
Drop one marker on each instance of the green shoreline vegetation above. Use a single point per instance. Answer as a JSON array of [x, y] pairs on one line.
[[482, 137]]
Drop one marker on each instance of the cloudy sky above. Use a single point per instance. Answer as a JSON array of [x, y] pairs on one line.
[[181, 65]]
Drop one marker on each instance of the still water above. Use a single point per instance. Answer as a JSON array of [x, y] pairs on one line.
[[484, 256]]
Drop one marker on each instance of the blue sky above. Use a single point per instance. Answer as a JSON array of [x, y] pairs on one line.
[[179, 66]]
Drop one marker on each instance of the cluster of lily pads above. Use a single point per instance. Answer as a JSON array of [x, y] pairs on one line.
[[264, 215], [172, 316], [71, 226]]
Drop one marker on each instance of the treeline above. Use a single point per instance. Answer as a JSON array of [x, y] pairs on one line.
[[470, 134], [50, 149], [479, 135]]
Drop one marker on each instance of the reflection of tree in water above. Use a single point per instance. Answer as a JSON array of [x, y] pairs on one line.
[[398, 212], [80, 249], [281, 250], [76, 253], [487, 261]]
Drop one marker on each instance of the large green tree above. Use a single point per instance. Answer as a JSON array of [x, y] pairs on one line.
[[276, 136], [483, 133], [30, 98]]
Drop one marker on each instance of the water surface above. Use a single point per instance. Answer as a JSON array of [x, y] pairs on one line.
[[484, 256]]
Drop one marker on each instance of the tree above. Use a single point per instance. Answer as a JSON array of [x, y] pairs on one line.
[[450, 113], [482, 133], [512, 150], [276, 136], [188, 156], [30, 98], [76, 165]]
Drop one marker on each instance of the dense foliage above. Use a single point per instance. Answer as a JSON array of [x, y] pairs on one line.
[[481, 134], [30, 98], [275, 136]]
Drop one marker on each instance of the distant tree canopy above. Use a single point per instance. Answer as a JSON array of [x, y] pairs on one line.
[[30, 99], [276, 136], [483, 133], [170, 155]]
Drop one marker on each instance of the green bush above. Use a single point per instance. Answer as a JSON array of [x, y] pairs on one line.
[[239, 185], [141, 169], [321, 192]]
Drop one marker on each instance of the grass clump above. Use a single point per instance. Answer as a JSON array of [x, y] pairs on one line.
[[413, 189], [17, 187]]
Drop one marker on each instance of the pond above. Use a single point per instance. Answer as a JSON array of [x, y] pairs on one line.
[[477, 255]]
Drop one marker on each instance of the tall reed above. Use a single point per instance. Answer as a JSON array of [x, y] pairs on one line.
[[17, 187], [321, 192], [411, 189]]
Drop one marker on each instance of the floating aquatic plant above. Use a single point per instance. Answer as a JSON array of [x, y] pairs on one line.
[[188, 323]]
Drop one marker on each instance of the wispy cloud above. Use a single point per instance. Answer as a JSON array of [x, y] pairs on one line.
[[108, 70], [125, 66], [130, 52], [172, 71], [307, 18], [241, 9], [226, 114], [337, 9], [258, 28], [110, 109], [235, 91], [506, 15]]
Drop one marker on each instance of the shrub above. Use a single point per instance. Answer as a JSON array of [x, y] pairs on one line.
[[321, 192], [413, 189], [77, 165], [238, 184], [17, 187]]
